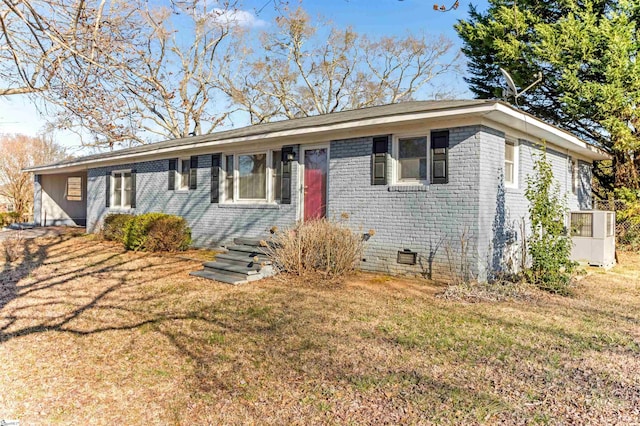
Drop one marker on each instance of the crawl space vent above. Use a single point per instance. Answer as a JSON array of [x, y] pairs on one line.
[[407, 257]]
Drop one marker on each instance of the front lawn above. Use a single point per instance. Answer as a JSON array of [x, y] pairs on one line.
[[90, 334]]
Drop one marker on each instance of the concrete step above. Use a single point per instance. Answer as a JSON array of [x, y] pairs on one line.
[[246, 249], [243, 258], [231, 267], [218, 277], [250, 241]]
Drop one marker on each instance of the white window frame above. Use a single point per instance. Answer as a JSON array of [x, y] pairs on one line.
[[575, 175], [228, 198], [395, 151], [516, 162], [122, 190], [181, 185], [270, 175]]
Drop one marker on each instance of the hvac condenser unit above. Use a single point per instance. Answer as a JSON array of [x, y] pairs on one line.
[[593, 234]]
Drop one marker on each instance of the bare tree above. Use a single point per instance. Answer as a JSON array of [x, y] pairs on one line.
[[118, 71], [38, 37], [149, 80], [16, 153], [298, 72]]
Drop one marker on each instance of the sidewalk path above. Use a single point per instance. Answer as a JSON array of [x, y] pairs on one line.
[[48, 231]]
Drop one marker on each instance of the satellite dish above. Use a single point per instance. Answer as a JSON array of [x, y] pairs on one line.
[[511, 86], [512, 90]]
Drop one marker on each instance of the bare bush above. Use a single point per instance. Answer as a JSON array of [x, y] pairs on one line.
[[458, 258], [321, 247], [13, 247]]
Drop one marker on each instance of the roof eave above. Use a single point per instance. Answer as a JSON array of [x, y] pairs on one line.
[[496, 111]]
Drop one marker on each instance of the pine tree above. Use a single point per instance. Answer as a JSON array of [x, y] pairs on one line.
[[587, 51]]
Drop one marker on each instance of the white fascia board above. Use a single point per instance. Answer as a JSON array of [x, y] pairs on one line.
[[530, 125], [496, 112], [205, 147]]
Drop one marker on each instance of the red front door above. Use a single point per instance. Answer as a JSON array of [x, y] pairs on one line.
[[315, 183]]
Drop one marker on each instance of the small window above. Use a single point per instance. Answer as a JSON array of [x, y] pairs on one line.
[[574, 176], [228, 178], [582, 224], [276, 175], [412, 159], [74, 188], [511, 163], [121, 192], [182, 181], [611, 225], [252, 176]]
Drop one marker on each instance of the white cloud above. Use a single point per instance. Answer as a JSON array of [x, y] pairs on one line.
[[240, 18]]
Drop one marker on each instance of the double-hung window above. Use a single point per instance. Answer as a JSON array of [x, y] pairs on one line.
[[510, 163], [121, 189], [412, 159], [574, 175], [182, 175], [422, 159], [276, 175], [228, 177], [253, 177]]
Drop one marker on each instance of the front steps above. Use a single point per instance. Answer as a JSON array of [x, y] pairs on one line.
[[245, 261]]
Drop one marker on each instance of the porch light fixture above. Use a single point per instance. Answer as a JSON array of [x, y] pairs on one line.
[[291, 156]]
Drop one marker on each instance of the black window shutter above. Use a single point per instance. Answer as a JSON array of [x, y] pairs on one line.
[[379, 160], [173, 164], [193, 173], [216, 159], [107, 184], [133, 188], [285, 195], [440, 156]]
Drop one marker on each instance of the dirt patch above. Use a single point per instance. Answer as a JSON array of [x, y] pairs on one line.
[[91, 334]]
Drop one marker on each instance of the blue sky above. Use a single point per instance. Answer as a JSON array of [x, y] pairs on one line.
[[371, 17]]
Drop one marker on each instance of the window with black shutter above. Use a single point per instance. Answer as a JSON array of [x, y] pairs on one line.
[[107, 184], [215, 177], [379, 160], [193, 173], [173, 164], [133, 189], [440, 156]]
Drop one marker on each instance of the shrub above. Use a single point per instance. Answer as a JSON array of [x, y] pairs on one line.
[[114, 226], [137, 231], [321, 247], [7, 218], [549, 244], [168, 233]]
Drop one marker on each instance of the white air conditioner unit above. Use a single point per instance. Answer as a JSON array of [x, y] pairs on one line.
[[593, 233]]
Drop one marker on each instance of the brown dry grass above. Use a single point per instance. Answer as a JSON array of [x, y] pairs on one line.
[[90, 334]]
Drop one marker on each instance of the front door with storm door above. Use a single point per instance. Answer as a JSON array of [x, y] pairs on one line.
[[315, 182]]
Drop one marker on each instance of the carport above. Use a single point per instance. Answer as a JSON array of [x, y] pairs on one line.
[[60, 199]]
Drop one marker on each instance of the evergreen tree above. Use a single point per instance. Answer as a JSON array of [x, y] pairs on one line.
[[587, 51]]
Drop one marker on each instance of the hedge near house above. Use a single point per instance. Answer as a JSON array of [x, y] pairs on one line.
[[148, 232]]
